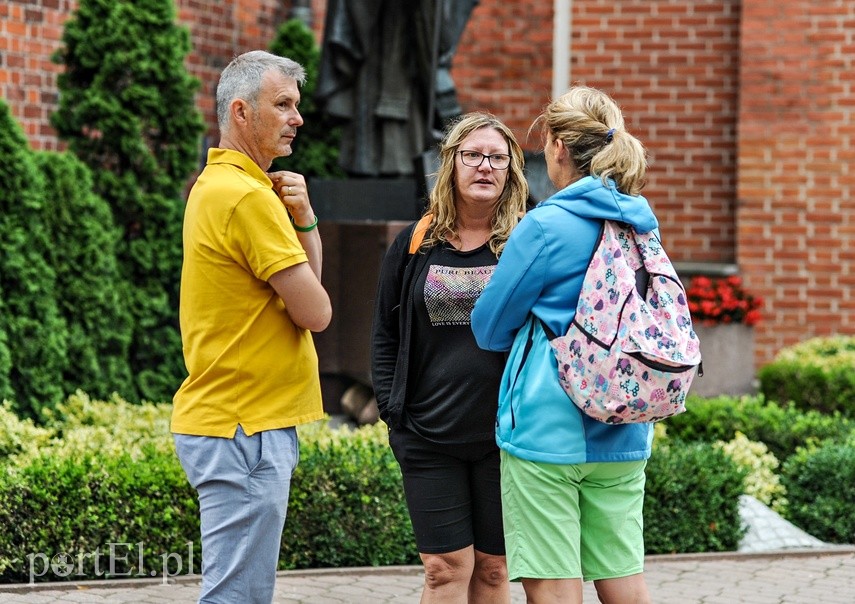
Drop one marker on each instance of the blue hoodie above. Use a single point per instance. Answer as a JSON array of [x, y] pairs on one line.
[[540, 274]]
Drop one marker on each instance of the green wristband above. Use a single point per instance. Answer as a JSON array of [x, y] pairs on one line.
[[304, 229]]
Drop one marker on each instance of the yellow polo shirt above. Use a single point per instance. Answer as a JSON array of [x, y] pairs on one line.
[[247, 362]]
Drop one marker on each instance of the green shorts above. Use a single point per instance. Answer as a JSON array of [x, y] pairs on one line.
[[572, 521]]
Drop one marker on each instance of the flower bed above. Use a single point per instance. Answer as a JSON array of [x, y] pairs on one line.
[[723, 313], [722, 301]]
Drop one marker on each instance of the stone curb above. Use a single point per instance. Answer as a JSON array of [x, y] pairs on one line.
[[411, 570], [807, 552]]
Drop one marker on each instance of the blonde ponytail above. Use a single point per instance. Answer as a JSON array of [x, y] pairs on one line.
[[591, 126]]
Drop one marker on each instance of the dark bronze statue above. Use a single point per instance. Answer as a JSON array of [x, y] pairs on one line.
[[385, 74]]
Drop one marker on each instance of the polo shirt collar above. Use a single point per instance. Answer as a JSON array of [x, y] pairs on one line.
[[217, 155]]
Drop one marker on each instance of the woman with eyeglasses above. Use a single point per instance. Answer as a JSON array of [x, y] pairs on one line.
[[435, 389]]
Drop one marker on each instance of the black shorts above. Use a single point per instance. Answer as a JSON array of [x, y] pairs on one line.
[[452, 493]]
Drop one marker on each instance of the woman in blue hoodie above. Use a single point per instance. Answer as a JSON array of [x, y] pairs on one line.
[[572, 487]]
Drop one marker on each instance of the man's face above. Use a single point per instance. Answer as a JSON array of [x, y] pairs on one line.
[[274, 124]]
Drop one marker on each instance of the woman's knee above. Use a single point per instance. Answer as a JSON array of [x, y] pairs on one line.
[[492, 570], [442, 569]]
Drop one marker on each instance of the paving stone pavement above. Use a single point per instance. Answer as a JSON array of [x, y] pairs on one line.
[[807, 576]]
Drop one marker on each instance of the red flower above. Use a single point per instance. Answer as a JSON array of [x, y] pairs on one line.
[[714, 301]]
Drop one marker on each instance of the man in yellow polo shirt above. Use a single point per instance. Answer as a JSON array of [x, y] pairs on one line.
[[251, 294]]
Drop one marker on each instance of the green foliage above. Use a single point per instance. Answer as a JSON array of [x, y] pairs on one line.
[[79, 505], [691, 501], [104, 472], [347, 503], [89, 290], [19, 436], [820, 485], [761, 481], [119, 415], [316, 147], [815, 374], [126, 109], [111, 427], [781, 428], [33, 335]]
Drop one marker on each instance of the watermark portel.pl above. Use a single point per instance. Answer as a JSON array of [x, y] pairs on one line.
[[117, 560]]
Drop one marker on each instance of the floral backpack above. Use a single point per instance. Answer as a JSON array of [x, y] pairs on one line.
[[630, 354]]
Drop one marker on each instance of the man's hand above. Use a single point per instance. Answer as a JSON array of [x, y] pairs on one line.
[[292, 190]]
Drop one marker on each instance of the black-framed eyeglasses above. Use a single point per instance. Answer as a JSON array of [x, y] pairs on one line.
[[473, 159]]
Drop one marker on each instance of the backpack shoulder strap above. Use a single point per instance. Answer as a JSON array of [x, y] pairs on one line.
[[423, 225], [419, 232]]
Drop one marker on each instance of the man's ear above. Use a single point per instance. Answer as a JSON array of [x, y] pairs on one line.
[[239, 109]]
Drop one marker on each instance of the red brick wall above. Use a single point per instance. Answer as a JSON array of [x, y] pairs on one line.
[[504, 62], [797, 166], [671, 65], [29, 34]]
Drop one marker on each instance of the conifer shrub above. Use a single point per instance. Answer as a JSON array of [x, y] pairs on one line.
[[126, 109], [33, 335], [89, 290]]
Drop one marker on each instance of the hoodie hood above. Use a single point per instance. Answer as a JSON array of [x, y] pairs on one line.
[[590, 198]]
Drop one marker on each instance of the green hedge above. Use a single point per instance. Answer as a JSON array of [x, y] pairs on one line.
[[691, 502], [101, 472], [820, 485], [105, 472], [68, 509], [815, 374], [817, 451], [347, 504], [781, 428]]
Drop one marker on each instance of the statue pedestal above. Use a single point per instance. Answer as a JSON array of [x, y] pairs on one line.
[[358, 220], [727, 352], [365, 199]]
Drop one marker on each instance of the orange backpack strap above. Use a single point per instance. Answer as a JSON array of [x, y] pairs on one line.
[[419, 232], [421, 228]]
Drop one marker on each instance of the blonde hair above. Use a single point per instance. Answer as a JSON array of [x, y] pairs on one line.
[[511, 203], [591, 126]]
